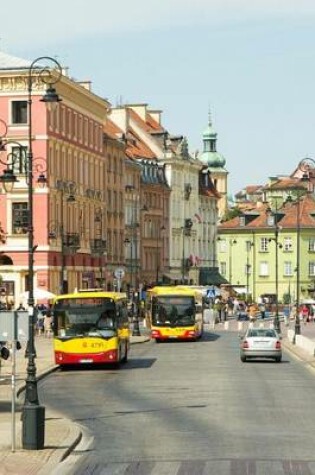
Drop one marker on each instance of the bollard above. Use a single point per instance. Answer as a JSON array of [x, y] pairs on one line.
[[226, 325]]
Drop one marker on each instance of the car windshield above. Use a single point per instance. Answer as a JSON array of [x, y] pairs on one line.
[[261, 332]]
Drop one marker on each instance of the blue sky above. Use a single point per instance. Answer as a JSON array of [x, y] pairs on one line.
[[251, 61]]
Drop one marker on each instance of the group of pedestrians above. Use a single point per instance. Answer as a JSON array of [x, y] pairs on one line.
[[44, 321]]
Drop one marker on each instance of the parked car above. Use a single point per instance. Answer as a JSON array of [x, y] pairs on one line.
[[260, 343]]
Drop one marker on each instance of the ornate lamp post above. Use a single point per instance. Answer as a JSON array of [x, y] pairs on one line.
[[69, 242], [232, 243], [249, 245], [275, 215], [188, 224], [33, 416], [159, 238], [98, 244], [307, 166]]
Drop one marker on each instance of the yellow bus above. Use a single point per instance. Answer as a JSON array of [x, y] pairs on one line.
[[174, 313], [91, 327]]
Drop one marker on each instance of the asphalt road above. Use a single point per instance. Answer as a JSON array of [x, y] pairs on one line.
[[189, 409]]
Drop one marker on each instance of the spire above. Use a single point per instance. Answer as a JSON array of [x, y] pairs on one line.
[[209, 117]]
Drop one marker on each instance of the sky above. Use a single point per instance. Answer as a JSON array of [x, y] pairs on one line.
[[250, 62]]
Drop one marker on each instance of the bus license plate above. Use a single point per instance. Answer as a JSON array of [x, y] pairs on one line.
[[86, 361]]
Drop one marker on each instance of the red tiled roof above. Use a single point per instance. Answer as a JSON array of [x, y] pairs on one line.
[[111, 129], [149, 125], [136, 148], [287, 216]]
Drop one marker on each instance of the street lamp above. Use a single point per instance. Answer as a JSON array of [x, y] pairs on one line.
[[69, 242], [275, 215], [306, 165], [98, 244], [188, 224], [159, 235], [33, 416], [232, 243], [249, 245], [133, 240]]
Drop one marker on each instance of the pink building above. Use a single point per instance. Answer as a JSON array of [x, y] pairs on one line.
[[69, 214]]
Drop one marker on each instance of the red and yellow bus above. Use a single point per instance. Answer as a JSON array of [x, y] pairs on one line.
[[91, 327], [174, 313]]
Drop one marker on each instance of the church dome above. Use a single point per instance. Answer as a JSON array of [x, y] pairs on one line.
[[210, 157]]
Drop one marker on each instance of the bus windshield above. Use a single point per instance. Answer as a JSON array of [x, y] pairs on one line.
[[84, 317], [173, 311]]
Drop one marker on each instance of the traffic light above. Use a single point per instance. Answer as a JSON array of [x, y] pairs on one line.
[[4, 352]]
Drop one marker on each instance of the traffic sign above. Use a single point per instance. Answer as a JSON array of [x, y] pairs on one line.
[[119, 273]]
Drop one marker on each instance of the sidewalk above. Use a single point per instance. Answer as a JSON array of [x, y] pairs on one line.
[[61, 435]]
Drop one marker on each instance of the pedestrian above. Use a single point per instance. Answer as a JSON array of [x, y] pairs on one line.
[[47, 325], [305, 313], [262, 308]]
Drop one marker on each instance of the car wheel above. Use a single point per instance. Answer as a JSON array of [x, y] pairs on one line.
[[243, 358]]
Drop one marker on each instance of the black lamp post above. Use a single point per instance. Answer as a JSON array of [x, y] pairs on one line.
[[307, 165], [249, 245], [275, 215], [98, 244], [188, 224], [33, 416], [232, 243], [68, 188], [159, 237]]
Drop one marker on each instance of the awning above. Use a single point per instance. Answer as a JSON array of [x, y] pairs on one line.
[[240, 290], [173, 277], [211, 276]]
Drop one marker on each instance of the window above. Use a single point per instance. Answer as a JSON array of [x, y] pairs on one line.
[[287, 244], [311, 245], [222, 245], [19, 218], [19, 112], [263, 247], [223, 268], [311, 269], [288, 268], [263, 269], [271, 221], [18, 158]]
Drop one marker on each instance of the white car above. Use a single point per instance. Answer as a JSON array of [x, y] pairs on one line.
[[261, 343]]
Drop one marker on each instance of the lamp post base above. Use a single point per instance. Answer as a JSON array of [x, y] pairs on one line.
[[136, 328], [33, 420], [276, 324], [297, 330]]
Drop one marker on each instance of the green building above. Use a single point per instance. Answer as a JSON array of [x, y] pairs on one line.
[[268, 248]]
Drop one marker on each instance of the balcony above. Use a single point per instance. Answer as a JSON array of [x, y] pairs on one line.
[[71, 242], [98, 246]]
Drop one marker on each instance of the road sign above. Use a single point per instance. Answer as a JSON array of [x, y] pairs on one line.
[[119, 273], [210, 293]]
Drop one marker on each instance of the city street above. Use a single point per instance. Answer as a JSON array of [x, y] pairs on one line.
[[189, 408]]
